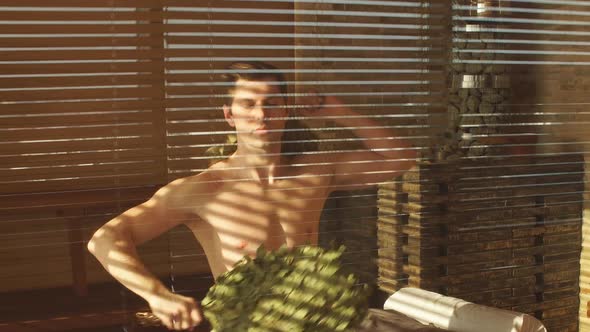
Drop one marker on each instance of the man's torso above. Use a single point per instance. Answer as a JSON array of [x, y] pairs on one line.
[[238, 216]]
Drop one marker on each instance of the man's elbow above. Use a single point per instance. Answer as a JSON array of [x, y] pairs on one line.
[[94, 242], [104, 237], [91, 246]]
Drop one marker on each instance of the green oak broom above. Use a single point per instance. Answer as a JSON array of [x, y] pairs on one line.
[[303, 289]]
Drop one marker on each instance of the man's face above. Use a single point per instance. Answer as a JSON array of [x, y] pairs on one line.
[[257, 112]]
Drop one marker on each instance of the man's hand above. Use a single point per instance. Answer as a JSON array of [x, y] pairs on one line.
[[176, 312]]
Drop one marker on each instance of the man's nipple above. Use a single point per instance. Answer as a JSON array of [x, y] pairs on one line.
[[242, 245]]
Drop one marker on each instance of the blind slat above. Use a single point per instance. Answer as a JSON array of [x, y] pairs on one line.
[[69, 29], [108, 169], [347, 76], [111, 130], [74, 199], [108, 180], [133, 4], [79, 157], [75, 107], [69, 16], [57, 148], [103, 80], [337, 64], [79, 55], [284, 41], [74, 120], [82, 93], [90, 41], [73, 68], [351, 87]]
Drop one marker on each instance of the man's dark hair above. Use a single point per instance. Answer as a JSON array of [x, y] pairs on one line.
[[254, 71]]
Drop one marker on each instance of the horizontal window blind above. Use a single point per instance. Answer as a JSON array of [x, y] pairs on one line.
[[319, 48], [80, 108], [102, 102], [81, 130]]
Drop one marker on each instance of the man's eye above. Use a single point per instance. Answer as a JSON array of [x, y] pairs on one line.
[[246, 104]]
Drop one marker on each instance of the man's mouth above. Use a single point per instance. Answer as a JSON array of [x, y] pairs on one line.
[[260, 131]]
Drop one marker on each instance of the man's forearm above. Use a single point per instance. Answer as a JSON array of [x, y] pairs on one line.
[[377, 137], [119, 257]]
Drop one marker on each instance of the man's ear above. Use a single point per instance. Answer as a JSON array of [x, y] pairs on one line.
[[228, 116]]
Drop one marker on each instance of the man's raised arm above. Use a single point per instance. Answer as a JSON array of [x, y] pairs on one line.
[[384, 154]]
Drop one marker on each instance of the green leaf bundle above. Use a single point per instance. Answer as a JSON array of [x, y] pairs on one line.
[[303, 289]]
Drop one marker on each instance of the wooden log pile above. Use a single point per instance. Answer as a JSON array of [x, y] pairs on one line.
[[505, 233]]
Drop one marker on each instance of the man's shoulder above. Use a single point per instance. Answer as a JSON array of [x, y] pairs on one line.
[[208, 180], [194, 187]]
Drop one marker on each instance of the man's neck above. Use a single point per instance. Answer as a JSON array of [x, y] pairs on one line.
[[258, 166]]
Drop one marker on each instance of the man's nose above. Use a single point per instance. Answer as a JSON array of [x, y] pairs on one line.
[[260, 112]]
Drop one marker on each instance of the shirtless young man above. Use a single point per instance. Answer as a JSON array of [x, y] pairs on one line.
[[256, 196]]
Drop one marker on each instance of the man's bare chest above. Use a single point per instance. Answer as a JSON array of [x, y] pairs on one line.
[[268, 214], [256, 204], [240, 216]]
